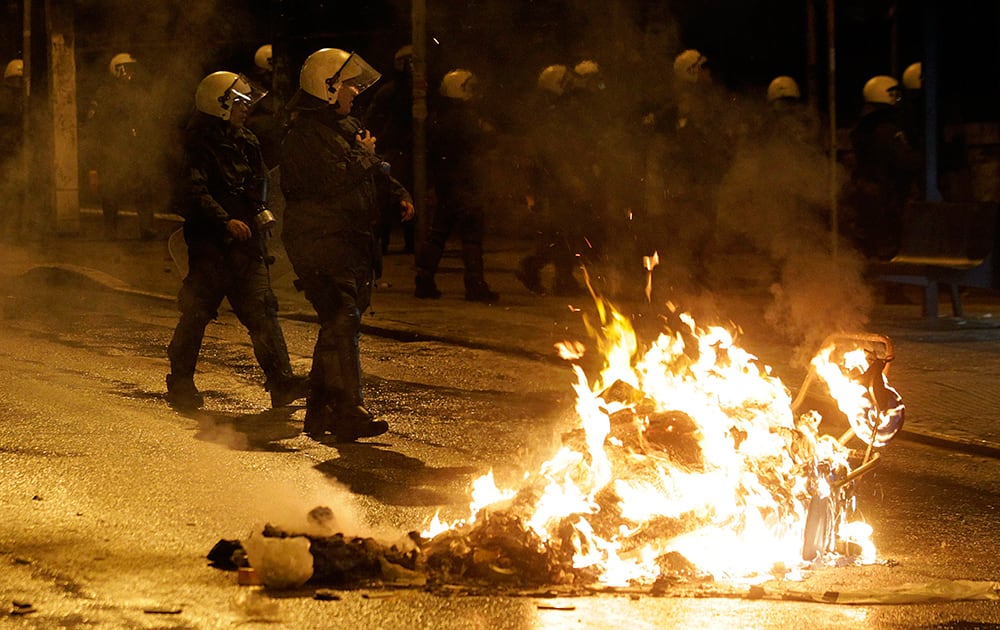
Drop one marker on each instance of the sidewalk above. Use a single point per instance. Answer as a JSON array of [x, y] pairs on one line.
[[945, 369]]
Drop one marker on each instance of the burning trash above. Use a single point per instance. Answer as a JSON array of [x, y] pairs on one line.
[[689, 462]]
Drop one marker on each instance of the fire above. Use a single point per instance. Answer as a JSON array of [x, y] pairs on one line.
[[687, 457]]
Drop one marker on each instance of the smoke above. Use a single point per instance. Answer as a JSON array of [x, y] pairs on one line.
[[773, 203], [816, 296], [291, 507], [729, 192]]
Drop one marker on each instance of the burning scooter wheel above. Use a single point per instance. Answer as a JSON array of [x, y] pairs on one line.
[[820, 522]]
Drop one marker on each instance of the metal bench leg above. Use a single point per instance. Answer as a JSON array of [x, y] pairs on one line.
[[931, 299], [956, 301]]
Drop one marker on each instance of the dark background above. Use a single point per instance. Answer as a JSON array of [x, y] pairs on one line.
[[748, 42]]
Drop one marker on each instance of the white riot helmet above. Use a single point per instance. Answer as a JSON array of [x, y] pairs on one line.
[[459, 84], [553, 79], [262, 58], [783, 87], [587, 75], [687, 65], [14, 69], [913, 76], [117, 65], [587, 68], [881, 89], [220, 91], [402, 61], [326, 69]]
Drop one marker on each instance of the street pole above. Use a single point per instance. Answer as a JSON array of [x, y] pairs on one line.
[[38, 181], [60, 35], [27, 155], [811, 81], [831, 83], [419, 192], [930, 88]]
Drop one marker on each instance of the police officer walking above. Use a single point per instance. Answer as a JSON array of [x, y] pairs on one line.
[[118, 128], [334, 185], [457, 139], [226, 224], [561, 225], [263, 120]]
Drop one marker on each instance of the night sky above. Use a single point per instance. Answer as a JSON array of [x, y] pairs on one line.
[[748, 42]]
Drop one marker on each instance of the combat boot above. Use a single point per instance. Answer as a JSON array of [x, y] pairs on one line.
[[355, 422], [530, 276], [182, 394], [288, 389], [319, 421], [426, 288], [479, 291]]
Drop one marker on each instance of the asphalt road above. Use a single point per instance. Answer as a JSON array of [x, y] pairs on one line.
[[111, 499]]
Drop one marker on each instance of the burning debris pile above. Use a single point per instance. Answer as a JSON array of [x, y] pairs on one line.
[[690, 463]]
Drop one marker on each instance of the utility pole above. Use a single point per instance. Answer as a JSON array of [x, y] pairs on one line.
[[419, 192], [812, 84], [52, 198], [930, 89], [831, 83], [60, 37]]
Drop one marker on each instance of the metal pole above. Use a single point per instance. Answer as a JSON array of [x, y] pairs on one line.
[[419, 192], [812, 83], [893, 40], [831, 83], [930, 87], [26, 50], [60, 36]]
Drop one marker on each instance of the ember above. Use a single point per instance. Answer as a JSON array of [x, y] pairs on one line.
[[690, 462]]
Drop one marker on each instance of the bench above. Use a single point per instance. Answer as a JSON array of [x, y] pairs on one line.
[[943, 243]]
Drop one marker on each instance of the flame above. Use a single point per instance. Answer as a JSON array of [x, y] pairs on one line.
[[688, 449]]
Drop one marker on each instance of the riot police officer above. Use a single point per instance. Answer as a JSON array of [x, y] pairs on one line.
[[458, 138], [11, 136], [334, 185], [263, 120], [390, 117], [226, 225], [560, 225], [119, 129], [886, 172]]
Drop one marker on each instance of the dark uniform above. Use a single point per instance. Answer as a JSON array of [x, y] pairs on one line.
[[390, 117], [334, 189], [11, 160], [566, 219], [457, 140], [226, 180], [117, 129], [697, 154], [886, 174]]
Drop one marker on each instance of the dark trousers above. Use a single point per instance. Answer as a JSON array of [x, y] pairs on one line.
[[242, 278], [470, 222], [339, 301]]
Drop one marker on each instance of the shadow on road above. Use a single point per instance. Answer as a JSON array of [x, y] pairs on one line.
[[262, 431], [394, 478]]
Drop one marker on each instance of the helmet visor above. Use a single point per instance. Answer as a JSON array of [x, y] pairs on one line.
[[357, 72], [245, 90]]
